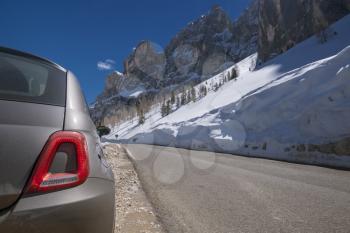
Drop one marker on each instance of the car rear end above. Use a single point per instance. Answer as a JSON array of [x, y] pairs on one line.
[[53, 177]]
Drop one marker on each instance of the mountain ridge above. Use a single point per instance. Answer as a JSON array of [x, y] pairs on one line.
[[207, 46]]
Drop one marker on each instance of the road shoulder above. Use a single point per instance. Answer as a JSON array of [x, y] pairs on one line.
[[134, 213]]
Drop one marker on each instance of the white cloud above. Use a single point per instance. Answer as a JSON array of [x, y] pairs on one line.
[[107, 64], [110, 61]]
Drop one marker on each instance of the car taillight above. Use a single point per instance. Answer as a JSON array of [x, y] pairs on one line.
[[62, 164]]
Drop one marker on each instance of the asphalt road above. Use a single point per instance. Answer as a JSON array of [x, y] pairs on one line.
[[206, 192]]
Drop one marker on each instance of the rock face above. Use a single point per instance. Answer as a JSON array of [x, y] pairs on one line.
[[146, 63], [284, 23], [118, 84], [204, 47], [201, 48], [113, 83], [246, 32]]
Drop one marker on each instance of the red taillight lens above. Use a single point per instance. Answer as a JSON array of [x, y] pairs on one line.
[[71, 146]]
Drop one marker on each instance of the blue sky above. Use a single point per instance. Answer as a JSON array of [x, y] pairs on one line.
[[79, 34]]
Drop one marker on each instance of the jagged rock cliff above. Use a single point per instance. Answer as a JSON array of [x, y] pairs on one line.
[[204, 47], [201, 49], [284, 23], [146, 63], [245, 37]]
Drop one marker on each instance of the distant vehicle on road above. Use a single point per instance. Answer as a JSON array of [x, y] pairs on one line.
[[53, 176]]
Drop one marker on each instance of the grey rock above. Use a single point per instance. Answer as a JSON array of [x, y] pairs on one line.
[[284, 23]]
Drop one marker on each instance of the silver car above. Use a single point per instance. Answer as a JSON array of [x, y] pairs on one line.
[[53, 176]]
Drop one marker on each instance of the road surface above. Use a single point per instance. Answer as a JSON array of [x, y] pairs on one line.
[[206, 192]]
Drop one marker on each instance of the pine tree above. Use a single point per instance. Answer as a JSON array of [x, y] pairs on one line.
[[188, 99], [203, 91], [168, 107], [216, 87], [172, 97], [183, 97], [193, 94], [178, 102], [163, 110], [140, 112], [141, 117], [233, 74]]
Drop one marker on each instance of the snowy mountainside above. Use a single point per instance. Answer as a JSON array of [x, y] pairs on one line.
[[295, 107], [206, 46], [130, 128]]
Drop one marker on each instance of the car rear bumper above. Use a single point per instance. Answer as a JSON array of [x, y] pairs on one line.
[[88, 208]]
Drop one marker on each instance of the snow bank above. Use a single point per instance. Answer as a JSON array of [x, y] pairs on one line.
[[309, 106]]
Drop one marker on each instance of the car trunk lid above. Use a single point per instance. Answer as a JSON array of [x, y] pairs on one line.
[[25, 128]]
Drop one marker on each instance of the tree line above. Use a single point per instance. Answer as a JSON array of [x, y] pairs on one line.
[[193, 94], [137, 109]]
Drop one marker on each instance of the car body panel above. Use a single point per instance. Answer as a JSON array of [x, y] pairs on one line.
[[87, 208], [25, 128], [77, 118]]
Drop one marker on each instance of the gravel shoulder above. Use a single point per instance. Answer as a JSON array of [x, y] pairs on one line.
[[134, 213]]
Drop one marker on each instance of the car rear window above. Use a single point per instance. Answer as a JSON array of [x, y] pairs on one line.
[[30, 80]]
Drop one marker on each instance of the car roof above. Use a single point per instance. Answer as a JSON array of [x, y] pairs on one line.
[[31, 56]]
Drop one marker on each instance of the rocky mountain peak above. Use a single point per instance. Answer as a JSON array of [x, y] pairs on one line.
[[216, 7], [218, 14], [146, 63], [204, 47]]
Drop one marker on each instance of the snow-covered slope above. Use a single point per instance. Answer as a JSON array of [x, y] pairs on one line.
[[296, 107], [130, 128]]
